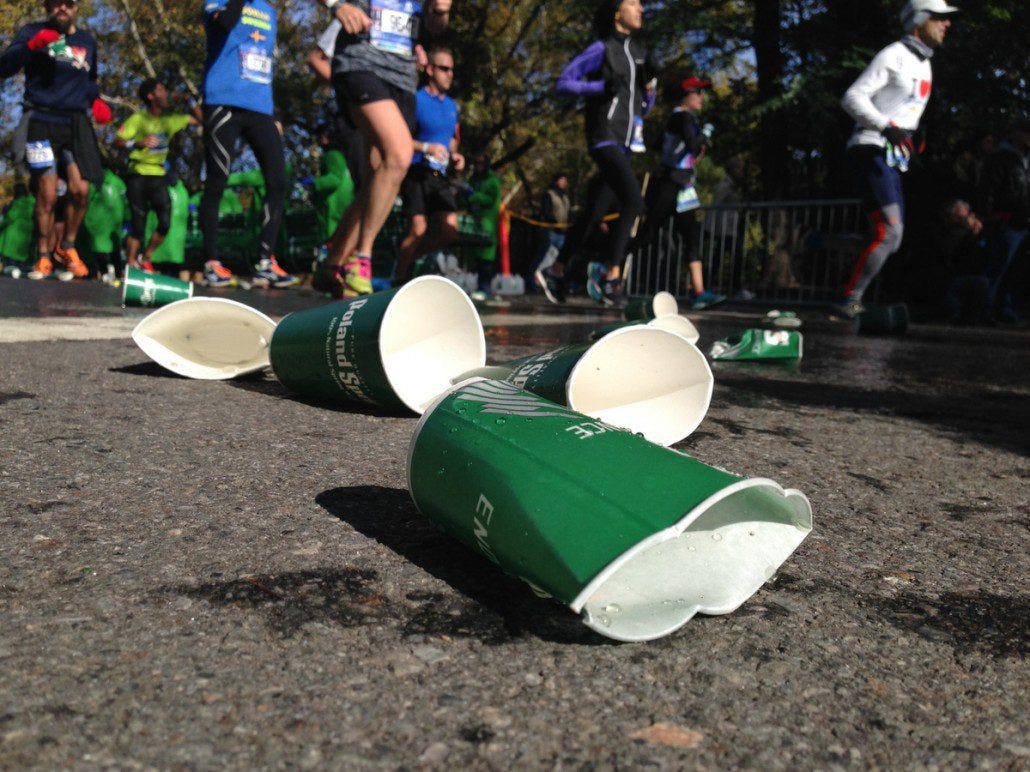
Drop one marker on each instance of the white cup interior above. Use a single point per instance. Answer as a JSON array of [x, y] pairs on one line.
[[646, 380], [678, 325], [710, 562], [430, 334], [206, 338]]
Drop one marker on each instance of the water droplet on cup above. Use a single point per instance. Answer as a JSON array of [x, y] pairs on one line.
[[500, 422], [605, 621], [716, 537], [613, 608]]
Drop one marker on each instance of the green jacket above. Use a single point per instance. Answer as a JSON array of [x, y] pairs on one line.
[[16, 228], [333, 193], [107, 211], [173, 248]]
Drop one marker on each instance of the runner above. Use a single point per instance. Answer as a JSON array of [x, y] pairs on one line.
[[611, 73], [426, 189], [672, 191], [887, 101], [147, 135], [55, 137], [238, 102], [374, 75]]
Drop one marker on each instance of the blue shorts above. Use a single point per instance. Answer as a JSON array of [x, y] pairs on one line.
[[879, 184]]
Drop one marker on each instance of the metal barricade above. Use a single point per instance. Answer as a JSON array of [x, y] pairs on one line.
[[797, 251]]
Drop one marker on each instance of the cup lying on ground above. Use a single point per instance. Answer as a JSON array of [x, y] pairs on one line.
[[883, 320], [636, 537], [677, 325], [756, 345], [639, 378], [398, 349], [140, 288], [661, 304], [206, 338]]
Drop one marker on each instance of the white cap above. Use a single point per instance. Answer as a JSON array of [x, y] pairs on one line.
[[915, 12]]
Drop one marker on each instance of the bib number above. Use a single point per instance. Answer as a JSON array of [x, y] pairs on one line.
[[395, 26], [39, 155], [687, 199], [255, 65]]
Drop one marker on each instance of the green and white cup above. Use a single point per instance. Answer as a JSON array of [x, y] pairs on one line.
[[677, 325], [661, 304], [150, 290], [206, 338], [883, 320], [640, 378], [635, 537], [398, 349], [753, 345]]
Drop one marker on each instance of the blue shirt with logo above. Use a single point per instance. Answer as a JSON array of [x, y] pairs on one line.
[[238, 71], [437, 118]]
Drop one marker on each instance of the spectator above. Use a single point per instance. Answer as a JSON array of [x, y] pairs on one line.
[[485, 206], [555, 210], [961, 247]]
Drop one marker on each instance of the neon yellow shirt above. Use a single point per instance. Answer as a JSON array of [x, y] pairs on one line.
[[150, 161]]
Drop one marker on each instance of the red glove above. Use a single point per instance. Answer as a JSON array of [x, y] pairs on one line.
[[43, 38], [101, 111]]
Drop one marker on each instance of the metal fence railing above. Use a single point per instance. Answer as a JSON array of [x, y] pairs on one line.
[[794, 251]]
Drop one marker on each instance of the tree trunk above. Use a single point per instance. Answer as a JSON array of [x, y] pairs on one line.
[[772, 149]]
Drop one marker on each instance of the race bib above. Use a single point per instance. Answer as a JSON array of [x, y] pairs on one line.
[[255, 64], [39, 155], [162, 143], [395, 25], [687, 199]]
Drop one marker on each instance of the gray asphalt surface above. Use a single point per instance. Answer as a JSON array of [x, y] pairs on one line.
[[201, 575]]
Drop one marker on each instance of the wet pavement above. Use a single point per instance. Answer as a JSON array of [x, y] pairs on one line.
[[217, 574]]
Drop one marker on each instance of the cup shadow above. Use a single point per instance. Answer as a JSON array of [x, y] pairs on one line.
[[388, 516]]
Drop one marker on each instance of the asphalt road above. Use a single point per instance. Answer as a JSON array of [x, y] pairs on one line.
[[206, 575]]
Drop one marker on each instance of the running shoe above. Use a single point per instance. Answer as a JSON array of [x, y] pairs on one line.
[[269, 270], [217, 275], [329, 278], [357, 277], [595, 281], [705, 300], [849, 308], [612, 294], [43, 268], [146, 265], [72, 262], [553, 286]]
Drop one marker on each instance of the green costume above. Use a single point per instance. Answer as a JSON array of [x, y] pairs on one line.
[[173, 248], [334, 192], [107, 211], [485, 206], [16, 228]]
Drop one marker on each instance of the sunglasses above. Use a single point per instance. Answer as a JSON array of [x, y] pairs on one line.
[[58, 3]]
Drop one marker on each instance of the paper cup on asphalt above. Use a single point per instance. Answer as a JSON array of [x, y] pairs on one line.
[[661, 304], [635, 537], [754, 345], [884, 320], [206, 338], [678, 325], [398, 349], [140, 288], [642, 379]]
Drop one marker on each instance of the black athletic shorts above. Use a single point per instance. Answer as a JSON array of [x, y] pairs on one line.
[[145, 193], [49, 147], [427, 191], [362, 88]]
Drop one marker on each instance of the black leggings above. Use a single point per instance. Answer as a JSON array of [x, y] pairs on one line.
[[615, 181], [145, 193], [661, 205], [222, 128]]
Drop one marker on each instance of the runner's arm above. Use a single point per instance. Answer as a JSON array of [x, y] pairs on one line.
[[16, 55], [225, 15], [574, 81], [857, 101], [320, 65]]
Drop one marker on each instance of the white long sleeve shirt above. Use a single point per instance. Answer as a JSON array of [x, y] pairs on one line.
[[893, 88]]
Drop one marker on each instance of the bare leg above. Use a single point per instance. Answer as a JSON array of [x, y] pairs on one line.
[[409, 248], [78, 200], [697, 283], [45, 190]]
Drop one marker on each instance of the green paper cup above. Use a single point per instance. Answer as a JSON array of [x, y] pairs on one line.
[[662, 304], [150, 290], [639, 378], [635, 537], [398, 349], [677, 325], [883, 320], [206, 338], [754, 345]]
